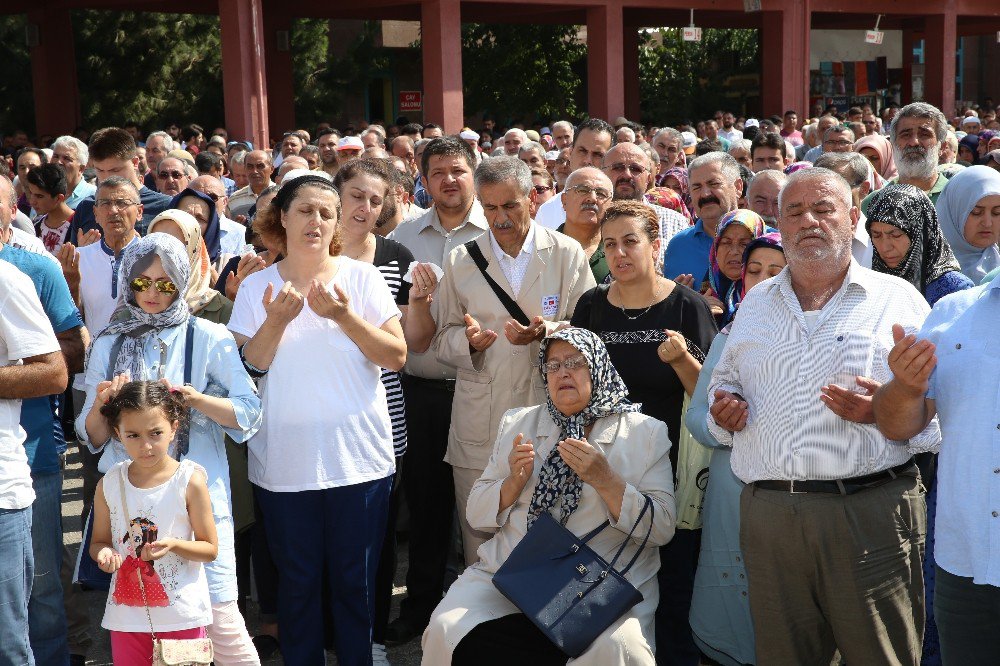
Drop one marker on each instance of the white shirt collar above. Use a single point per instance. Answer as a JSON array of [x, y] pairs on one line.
[[527, 247]]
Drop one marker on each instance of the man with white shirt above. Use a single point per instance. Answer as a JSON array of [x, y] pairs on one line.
[[856, 170], [494, 347], [592, 140], [31, 366], [790, 395], [728, 130]]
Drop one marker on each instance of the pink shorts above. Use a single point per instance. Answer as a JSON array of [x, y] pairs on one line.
[[136, 647]]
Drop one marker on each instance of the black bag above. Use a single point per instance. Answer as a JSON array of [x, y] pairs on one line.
[[513, 309], [566, 589]]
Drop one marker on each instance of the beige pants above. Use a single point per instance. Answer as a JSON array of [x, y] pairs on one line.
[[230, 638], [471, 539]]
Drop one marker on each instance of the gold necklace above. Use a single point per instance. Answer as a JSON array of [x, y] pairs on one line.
[[364, 248], [656, 299]]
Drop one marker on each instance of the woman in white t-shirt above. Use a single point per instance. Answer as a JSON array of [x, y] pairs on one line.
[[316, 328]]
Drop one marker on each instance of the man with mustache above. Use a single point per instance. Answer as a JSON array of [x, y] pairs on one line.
[[789, 395], [716, 187], [632, 173], [588, 192], [917, 133], [544, 273], [592, 140]]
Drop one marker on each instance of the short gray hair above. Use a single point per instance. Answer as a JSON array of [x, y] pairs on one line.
[[921, 110], [373, 129], [773, 175], [168, 141], [739, 143], [517, 130], [839, 129], [419, 145], [79, 147], [531, 145], [671, 132], [853, 167], [952, 141], [116, 182], [563, 123], [504, 169], [730, 167], [821, 174], [239, 157]]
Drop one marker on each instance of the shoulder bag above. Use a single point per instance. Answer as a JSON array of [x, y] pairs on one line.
[[513, 309], [565, 588]]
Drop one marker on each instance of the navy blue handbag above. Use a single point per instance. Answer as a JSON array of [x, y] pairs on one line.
[[570, 592]]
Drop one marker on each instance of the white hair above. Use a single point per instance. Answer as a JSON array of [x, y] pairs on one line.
[[79, 147], [531, 145], [738, 144], [519, 132], [562, 123], [168, 141], [824, 175]]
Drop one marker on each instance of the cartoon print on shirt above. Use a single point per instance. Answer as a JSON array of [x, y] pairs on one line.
[[127, 591]]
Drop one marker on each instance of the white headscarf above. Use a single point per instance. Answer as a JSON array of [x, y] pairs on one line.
[[959, 197]]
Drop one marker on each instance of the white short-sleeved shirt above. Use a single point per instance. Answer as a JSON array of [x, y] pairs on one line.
[[24, 332], [326, 420]]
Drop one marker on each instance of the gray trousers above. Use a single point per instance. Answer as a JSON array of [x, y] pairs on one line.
[[828, 572]]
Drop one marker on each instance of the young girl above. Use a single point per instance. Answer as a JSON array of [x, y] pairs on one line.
[[168, 530]]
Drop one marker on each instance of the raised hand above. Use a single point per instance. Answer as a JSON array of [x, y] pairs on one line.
[[911, 360], [249, 264], [589, 463], [523, 335], [730, 411], [851, 405], [332, 306], [479, 340], [685, 279], [69, 259], [286, 304], [109, 560], [673, 348], [521, 460], [88, 237], [424, 283], [107, 390]]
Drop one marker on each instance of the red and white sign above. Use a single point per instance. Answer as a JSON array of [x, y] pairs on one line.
[[692, 34], [411, 100], [874, 36]]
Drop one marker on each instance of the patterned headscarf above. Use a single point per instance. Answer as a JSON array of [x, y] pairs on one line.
[[954, 204], [796, 166], [558, 485], [881, 145], [772, 240], [130, 320], [908, 209], [681, 174], [199, 290], [666, 197], [726, 290]]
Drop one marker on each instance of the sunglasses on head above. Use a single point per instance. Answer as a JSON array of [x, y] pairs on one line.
[[141, 284]]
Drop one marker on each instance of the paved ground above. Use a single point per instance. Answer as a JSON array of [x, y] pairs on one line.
[[100, 655]]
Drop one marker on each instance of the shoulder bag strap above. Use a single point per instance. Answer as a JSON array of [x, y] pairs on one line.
[[183, 437], [509, 304], [648, 505], [116, 348], [138, 573]]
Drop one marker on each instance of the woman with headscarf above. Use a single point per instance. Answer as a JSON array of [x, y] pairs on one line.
[[153, 336], [968, 149], [203, 209], [587, 455], [725, 259], [203, 301], [907, 242], [676, 179], [669, 199], [877, 149], [720, 609], [969, 212]]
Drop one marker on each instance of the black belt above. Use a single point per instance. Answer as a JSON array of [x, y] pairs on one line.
[[440, 384], [838, 486]]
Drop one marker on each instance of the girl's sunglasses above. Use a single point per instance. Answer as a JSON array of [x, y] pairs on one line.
[[141, 284]]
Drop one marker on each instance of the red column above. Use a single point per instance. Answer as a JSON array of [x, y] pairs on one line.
[[53, 72], [785, 59], [243, 88], [940, 44], [280, 75], [441, 43], [630, 46], [605, 61]]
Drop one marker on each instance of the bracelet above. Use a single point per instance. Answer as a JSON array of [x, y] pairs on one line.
[[252, 370]]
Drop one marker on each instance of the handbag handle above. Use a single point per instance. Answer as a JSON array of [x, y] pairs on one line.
[[138, 572], [647, 506]]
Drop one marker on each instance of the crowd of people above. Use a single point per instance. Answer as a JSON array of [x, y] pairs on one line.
[[745, 345]]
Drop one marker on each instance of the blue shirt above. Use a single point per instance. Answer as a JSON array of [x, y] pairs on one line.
[[965, 386], [40, 416], [687, 253]]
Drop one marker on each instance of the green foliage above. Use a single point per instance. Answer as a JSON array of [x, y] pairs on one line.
[[517, 72], [148, 67], [690, 80], [16, 102]]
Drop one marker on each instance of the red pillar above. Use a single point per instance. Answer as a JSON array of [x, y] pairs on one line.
[[630, 46], [53, 72], [243, 87], [441, 40], [940, 45], [280, 73], [605, 61], [785, 59]]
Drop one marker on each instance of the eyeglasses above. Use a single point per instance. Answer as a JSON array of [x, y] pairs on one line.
[[842, 143], [141, 284], [571, 363], [114, 203], [633, 168], [542, 189], [599, 193], [176, 175]]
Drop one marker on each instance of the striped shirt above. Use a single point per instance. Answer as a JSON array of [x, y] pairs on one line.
[[671, 223], [393, 260], [778, 361]]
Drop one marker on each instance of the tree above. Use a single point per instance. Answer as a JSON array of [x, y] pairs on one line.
[[16, 101]]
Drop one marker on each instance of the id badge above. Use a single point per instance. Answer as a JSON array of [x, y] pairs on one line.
[[550, 305]]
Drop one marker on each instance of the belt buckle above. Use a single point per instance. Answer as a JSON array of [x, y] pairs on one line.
[[792, 491]]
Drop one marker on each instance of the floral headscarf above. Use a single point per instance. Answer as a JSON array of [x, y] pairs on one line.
[[954, 204], [666, 197], [881, 145], [796, 166], [908, 209], [135, 324], [723, 288], [681, 174], [558, 485], [199, 290]]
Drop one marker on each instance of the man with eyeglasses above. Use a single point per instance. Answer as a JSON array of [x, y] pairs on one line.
[[592, 140], [259, 168], [113, 153], [631, 172], [588, 192], [839, 139], [822, 125], [171, 176]]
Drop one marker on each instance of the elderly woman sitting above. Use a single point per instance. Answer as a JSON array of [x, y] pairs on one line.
[[597, 456]]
